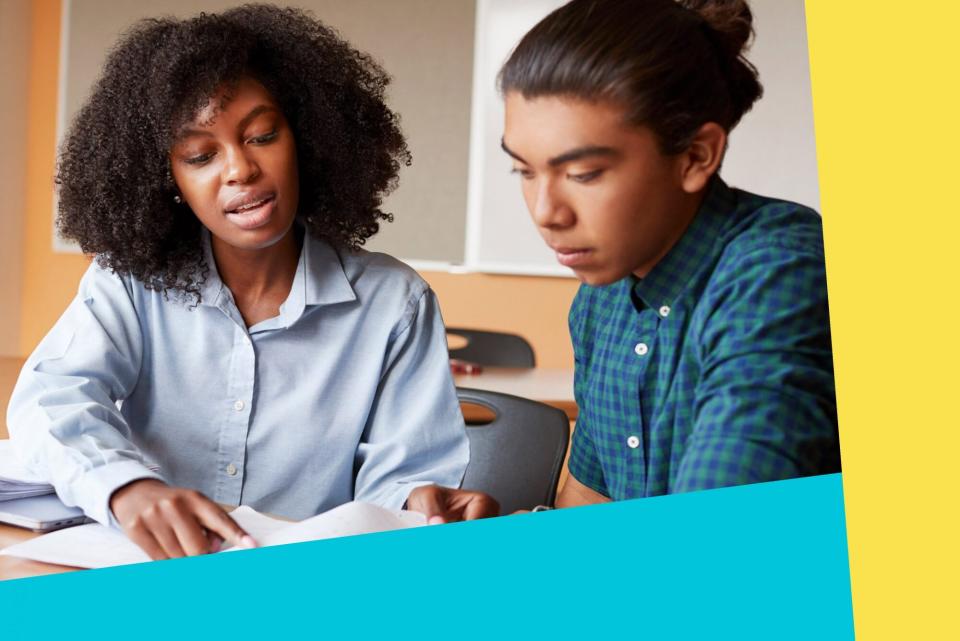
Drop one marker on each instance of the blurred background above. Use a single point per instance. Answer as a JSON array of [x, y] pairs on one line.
[[460, 220]]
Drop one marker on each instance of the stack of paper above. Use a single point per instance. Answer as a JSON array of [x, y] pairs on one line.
[[97, 546], [16, 482]]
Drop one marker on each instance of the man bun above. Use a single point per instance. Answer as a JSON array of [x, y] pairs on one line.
[[729, 25]]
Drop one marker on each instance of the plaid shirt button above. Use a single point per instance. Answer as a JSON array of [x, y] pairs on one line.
[[641, 349], [665, 311], [633, 442]]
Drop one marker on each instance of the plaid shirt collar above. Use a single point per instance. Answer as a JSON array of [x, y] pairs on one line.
[[699, 246]]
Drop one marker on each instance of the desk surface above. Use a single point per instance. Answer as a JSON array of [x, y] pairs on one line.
[[13, 568], [551, 386]]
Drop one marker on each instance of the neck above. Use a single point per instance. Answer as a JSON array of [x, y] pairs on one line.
[[254, 274], [683, 211]]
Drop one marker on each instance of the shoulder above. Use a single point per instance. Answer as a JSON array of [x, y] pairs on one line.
[[389, 289], [100, 282], [770, 273], [378, 275], [776, 242], [774, 226]]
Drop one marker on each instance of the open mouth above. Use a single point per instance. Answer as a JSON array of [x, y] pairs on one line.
[[253, 214]]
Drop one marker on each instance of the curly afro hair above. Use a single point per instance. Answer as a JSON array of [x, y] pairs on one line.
[[115, 186]]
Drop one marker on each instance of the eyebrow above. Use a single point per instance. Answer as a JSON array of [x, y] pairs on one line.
[[256, 111], [568, 156]]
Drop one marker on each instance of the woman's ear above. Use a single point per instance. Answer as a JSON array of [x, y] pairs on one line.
[[702, 158]]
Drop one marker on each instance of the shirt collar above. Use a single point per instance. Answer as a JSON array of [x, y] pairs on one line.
[[319, 280], [325, 281], [699, 245]]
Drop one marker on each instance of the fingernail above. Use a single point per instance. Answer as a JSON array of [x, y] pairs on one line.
[[248, 542], [436, 520]]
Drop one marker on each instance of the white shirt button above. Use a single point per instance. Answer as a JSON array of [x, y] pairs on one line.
[[239, 405], [633, 442], [232, 469], [641, 349], [665, 311]]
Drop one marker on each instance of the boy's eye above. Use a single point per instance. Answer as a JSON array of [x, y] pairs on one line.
[[526, 174], [585, 177]]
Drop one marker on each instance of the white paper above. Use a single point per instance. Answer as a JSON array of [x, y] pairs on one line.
[[16, 481], [84, 546], [97, 546]]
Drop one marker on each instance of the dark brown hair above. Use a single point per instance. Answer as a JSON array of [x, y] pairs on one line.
[[673, 65]]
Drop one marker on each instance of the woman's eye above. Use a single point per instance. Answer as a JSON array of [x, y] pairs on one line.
[[585, 177], [198, 159], [259, 140], [526, 174]]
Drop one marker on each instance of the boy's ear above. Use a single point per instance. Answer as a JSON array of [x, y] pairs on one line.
[[701, 160]]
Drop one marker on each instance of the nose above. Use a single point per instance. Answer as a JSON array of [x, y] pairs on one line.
[[549, 208], [239, 168]]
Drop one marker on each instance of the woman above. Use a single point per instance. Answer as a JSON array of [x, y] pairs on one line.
[[225, 171], [701, 333]]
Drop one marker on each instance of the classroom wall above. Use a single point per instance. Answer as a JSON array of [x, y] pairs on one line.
[[533, 307], [49, 279], [14, 65]]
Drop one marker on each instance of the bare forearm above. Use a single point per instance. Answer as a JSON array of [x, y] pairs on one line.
[[575, 493]]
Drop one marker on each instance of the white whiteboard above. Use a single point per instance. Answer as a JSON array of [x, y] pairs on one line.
[[772, 150]]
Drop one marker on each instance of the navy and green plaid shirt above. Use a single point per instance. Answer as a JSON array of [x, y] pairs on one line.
[[716, 368]]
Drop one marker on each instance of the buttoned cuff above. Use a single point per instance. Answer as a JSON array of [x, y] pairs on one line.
[[97, 486]]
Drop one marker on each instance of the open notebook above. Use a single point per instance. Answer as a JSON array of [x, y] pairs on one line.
[[97, 546]]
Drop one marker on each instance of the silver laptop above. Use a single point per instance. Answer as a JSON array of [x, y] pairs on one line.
[[41, 513]]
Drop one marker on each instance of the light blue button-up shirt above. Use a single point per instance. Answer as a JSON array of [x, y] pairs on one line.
[[346, 395]]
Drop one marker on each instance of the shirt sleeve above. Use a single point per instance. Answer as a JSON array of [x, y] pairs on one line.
[[584, 464], [584, 461], [415, 434], [765, 406], [63, 416]]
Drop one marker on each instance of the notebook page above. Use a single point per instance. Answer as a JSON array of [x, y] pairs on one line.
[[97, 546], [83, 546], [347, 520]]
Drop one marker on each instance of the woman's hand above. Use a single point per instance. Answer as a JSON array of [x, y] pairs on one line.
[[172, 522], [444, 504]]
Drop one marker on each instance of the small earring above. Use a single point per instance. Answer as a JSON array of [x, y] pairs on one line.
[[177, 199]]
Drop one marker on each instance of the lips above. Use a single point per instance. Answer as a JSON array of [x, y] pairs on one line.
[[251, 210], [247, 201], [572, 256]]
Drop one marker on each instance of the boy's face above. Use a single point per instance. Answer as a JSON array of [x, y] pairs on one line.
[[601, 193]]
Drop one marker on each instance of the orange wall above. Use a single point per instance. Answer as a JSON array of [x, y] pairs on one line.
[[49, 279], [533, 307]]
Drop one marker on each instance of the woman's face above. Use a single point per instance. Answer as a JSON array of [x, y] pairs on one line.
[[601, 193], [236, 167]]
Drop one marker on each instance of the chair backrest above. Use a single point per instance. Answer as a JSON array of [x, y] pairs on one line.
[[518, 457], [495, 349]]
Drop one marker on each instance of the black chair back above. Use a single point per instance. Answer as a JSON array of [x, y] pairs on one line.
[[494, 349], [518, 457]]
